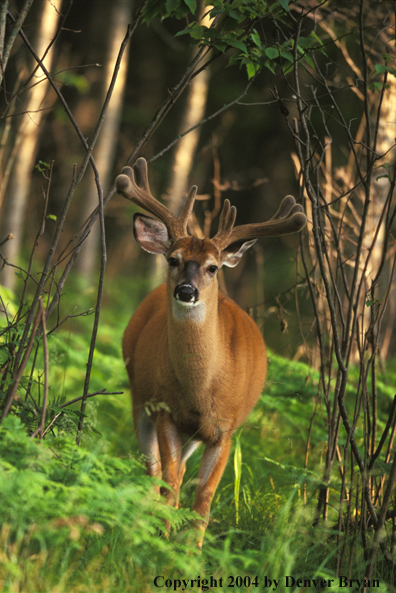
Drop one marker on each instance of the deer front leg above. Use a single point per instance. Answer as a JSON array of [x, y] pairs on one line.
[[170, 446], [188, 449], [211, 469], [148, 442]]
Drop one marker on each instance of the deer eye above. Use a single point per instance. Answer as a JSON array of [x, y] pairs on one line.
[[172, 261], [212, 269]]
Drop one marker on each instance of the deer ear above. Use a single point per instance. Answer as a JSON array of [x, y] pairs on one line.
[[151, 234], [231, 255]]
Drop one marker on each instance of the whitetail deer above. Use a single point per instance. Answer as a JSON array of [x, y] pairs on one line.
[[196, 361]]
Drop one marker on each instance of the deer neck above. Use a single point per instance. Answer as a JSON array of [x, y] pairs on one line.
[[194, 344]]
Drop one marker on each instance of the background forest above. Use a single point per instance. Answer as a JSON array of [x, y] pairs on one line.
[[250, 100]]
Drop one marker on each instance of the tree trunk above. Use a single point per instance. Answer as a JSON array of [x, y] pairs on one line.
[[386, 143], [15, 205], [106, 145], [185, 148]]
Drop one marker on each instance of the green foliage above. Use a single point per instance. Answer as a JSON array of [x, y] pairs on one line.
[[238, 474], [68, 348], [43, 167], [79, 520], [77, 81], [66, 507], [72, 515], [235, 27]]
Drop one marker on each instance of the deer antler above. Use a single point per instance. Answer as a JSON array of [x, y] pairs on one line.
[[133, 184], [290, 218]]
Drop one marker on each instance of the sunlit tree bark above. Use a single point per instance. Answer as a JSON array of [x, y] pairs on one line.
[[14, 213], [185, 149], [193, 114], [386, 146], [106, 146]]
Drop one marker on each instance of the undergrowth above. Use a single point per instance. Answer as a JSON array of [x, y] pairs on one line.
[[81, 520], [86, 519]]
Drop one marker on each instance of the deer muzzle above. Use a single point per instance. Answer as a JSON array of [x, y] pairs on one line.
[[186, 294]]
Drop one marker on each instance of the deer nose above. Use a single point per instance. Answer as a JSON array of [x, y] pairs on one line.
[[186, 293]]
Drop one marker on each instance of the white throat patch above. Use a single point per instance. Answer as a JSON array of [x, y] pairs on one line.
[[188, 311]]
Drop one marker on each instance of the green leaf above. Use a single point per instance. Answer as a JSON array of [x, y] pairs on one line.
[[235, 16], [287, 55], [41, 166], [380, 468], [184, 32], [194, 30], [251, 69], [370, 302], [270, 66], [375, 86], [381, 68], [77, 81], [172, 5], [220, 46], [192, 5], [309, 61], [237, 44], [272, 53], [238, 474], [285, 5], [255, 37], [216, 11], [5, 355], [52, 217]]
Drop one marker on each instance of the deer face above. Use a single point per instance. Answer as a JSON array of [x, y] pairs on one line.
[[193, 266], [193, 263]]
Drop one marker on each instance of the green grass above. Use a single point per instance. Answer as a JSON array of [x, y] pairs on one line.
[[82, 520], [85, 519]]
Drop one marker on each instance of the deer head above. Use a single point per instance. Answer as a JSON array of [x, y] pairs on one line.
[[193, 263]]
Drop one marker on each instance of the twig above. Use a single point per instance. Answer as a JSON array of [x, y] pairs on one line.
[[8, 238], [97, 313], [40, 233], [40, 428], [204, 121], [54, 419], [83, 314], [340, 343], [100, 392], [21, 368], [12, 36], [384, 435], [73, 401], [381, 521]]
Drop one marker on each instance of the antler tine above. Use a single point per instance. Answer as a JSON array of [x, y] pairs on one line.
[[133, 184], [226, 223], [284, 209], [185, 214], [141, 174], [290, 218]]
